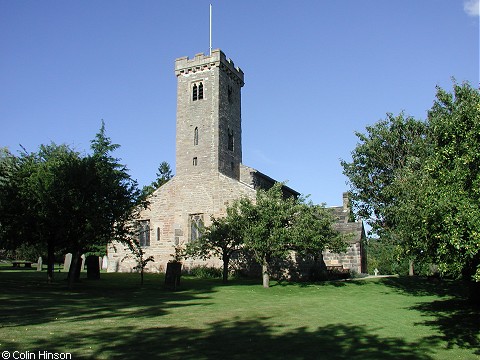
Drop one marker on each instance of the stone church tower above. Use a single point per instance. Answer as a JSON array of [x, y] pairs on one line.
[[208, 116], [209, 170]]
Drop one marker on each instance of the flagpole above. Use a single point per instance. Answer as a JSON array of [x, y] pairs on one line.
[[210, 29]]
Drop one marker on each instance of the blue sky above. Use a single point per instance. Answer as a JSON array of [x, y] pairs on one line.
[[315, 72]]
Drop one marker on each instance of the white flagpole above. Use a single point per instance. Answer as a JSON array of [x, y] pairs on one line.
[[210, 29]]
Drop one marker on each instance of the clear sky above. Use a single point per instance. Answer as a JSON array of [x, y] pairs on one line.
[[315, 72]]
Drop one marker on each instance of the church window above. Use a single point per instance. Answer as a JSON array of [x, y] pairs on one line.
[[195, 161], [195, 93], [230, 140], [196, 226], [195, 136], [144, 232], [158, 234]]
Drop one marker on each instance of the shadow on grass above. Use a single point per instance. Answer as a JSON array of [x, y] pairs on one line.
[[455, 318], [418, 286], [331, 283], [27, 299], [236, 339], [456, 321]]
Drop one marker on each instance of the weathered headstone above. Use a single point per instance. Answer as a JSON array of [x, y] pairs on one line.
[[67, 262], [172, 275], [82, 267], [93, 267], [75, 272], [105, 263], [375, 272], [39, 264]]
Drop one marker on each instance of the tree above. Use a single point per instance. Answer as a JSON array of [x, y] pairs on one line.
[[138, 254], [108, 197], [312, 230], [276, 225], [223, 238], [35, 191], [428, 202], [439, 201], [64, 201], [376, 160]]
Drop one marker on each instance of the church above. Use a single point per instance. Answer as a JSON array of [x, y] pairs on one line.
[[209, 172]]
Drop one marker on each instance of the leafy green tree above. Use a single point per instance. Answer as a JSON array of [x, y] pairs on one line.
[[108, 197], [276, 225], [65, 201], [438, 207], [223, 238], [34, 200], [381, 152], [428, 202], [312, 230]]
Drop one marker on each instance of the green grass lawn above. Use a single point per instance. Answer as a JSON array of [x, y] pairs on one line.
[[385, 318]]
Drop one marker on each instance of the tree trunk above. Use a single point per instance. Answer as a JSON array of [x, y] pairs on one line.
[[411, 271], [265, 275], [473, 287], [225, 269], [50, 261]]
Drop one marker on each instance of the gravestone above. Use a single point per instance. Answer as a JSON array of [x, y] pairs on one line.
[[105, 263], [93, 267], [375, 272], [172, 275], [75, 272], [82, 266], [39, 264], [67, 262]]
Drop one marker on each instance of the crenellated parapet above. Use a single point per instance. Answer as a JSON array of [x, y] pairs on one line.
[[202, 62]]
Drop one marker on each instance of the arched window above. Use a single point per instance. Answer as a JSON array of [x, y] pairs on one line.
[[158, 234], [195, 136], [196, 226], [144, 232], [200, 91], [194, 93]]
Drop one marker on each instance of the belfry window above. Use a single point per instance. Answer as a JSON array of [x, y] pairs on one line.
[[195, 136], [230, 140], [144, 232], [194, 162], [196, 226], [197, 91]]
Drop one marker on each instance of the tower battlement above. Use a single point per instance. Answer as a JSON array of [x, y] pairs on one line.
[[201, 62]]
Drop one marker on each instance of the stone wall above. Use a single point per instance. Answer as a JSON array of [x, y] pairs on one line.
[[170, 211]]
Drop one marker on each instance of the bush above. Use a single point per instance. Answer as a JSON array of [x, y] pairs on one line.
[[205, 272], [23, 252]]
